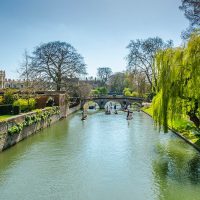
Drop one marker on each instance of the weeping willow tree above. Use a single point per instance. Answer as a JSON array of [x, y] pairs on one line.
[[178, 86]]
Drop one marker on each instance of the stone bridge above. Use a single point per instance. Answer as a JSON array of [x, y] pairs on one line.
[[122, 100]]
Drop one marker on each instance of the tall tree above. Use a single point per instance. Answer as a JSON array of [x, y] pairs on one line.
[[141, 56], [136, 82], [56, 62], [84, 90], [178, 93], [116, 82], [191, 10], [103, 74]]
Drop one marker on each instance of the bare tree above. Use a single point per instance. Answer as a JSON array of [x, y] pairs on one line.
[[54, 63], [103, 74], [141, 56], [191, 10], [84, 90], [24, 70]]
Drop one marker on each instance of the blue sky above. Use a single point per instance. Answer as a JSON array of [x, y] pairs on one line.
[[99, 29]]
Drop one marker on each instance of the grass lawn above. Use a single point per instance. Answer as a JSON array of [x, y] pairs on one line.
[[4, 117], [182, 126]]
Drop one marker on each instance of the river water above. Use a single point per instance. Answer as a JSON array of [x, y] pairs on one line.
[[105, 157]]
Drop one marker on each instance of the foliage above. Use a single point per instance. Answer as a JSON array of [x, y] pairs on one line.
[[134, 94], [128, 92], [178, 94], [136, 81], [84, 90], [103, 74], [31, 103], [16, 110], [10, 97], [17, 128], [191, 10], [25, 104], [100, 91], [53, 63], [116, 82], [182, 126], [39, 116], [141, 54], [148, 110], [1, 100], [6, 109]]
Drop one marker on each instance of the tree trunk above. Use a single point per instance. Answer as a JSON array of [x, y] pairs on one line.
[[58, 88], [194, 119]]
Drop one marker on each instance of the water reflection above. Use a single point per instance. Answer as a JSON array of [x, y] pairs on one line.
[[104, 157], [176, 170]]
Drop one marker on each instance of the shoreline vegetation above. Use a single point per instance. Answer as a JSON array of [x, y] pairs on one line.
[[181, 127]]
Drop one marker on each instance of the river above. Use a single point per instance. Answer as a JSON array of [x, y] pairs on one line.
[[105, 157]]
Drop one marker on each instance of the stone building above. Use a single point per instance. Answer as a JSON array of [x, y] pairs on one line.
[[2, 79], [10, 83]]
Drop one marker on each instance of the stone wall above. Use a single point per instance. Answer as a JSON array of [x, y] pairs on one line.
[[7, 140], [72, 110]]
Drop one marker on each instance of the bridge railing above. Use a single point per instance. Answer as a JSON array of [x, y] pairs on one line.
[[114, 97]]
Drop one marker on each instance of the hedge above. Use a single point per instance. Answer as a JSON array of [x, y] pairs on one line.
[[6, 109]]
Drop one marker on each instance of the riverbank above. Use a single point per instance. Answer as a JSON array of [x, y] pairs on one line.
[[18, 128], [181, 128]]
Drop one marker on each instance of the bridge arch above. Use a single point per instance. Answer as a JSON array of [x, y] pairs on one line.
[[114, 101], [123, 101], [84, 102]]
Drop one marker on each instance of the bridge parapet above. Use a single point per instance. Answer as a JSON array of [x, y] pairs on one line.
[[123, 100]]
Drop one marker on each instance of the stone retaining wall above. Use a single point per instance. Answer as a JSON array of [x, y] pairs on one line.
[[7, 140]]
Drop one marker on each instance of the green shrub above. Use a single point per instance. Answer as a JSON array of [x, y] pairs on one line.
[[134, 94], [16, 110], [5, 109], [35, 118], [25, 105], [100, 91], [22, 103], [10, 97], [15, 129], [31, 103], [1, 100]]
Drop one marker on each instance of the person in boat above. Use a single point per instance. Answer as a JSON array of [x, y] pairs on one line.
[[107, 110], [125, 107], [84, 116], [115, 108], [128, 114]]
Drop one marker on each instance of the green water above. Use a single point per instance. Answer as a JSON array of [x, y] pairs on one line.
[[103, 158]]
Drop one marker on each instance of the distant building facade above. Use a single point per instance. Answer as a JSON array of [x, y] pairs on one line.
[[10, 83], [17, 84]]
